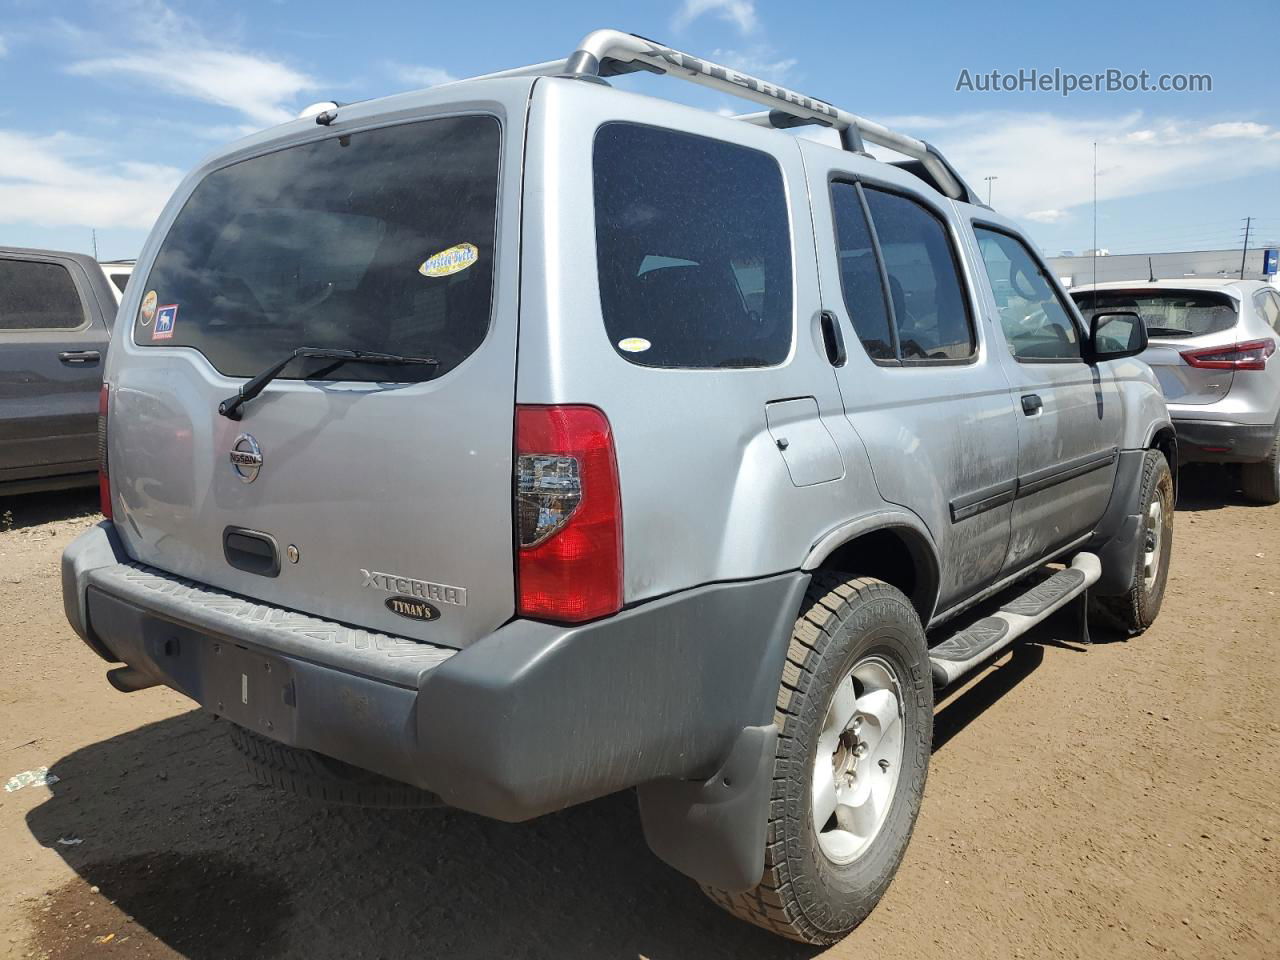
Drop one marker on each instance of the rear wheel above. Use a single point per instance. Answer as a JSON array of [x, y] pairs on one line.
[[1137, 609], [855, 721], [1261, 481]]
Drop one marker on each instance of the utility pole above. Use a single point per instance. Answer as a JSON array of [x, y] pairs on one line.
[[989, 179], [1248, 222], [95, 243]]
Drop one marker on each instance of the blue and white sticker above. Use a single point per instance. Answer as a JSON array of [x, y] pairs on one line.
[[166, 320]]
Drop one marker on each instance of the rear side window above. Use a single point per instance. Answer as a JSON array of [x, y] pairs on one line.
[[38, 296], [693, 249], [1269, 309], [121, 280], [860, 273], [381, 240], [930, 308], [1167, 315], [1036, 322]]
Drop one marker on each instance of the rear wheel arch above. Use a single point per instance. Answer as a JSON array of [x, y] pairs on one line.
[[896, 552]]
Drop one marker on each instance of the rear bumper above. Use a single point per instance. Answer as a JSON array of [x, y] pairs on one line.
[[1223, 441], [531, 719]]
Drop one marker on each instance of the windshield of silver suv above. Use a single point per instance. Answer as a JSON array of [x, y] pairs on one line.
[[1167, 314], [376, 241]]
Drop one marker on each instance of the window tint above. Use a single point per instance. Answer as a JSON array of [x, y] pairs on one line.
[[929, 305], [381, 240], [1167, 314], [860, 273], [693, 247], [38, 296], [1037, 324]]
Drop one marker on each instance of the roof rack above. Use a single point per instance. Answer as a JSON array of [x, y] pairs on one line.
[[605, 53]]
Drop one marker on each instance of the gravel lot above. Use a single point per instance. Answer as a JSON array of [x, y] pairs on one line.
[[1118, 800]]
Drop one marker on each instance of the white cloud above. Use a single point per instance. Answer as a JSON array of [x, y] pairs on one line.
[[173, 54], [4, 47], [1047, 216], [420, 76], [1044, 162], [759, 61], [67, 180], [741, 13]]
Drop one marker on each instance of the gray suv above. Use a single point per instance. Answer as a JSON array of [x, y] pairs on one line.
[[56, 310], [1213, 345], [523, 440]]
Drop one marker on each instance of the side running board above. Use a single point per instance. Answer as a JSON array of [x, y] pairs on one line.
[[979, 642]]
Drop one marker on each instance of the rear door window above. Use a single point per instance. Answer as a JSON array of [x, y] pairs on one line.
[[379, 240], [693, 249], [930, 308], [38, 296], [1167, 314]]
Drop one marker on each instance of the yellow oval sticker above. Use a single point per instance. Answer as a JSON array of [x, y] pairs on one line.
[[148, 309], [634, 345], [454, 260]]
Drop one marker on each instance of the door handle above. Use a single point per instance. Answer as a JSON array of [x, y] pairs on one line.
[[80, 357], [1032, 404], [833, 339]]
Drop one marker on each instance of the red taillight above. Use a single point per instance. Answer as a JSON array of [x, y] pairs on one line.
[[104, 482], [1239, 356], [568, 514]]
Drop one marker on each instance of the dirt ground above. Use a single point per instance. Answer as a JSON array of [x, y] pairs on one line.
[[1118, 800]]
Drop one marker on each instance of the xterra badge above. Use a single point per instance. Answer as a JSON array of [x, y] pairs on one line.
[[422, 589]]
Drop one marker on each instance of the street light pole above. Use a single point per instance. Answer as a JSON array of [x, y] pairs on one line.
[[989, 179]]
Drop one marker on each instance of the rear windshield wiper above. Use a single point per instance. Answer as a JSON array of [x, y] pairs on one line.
[[1168, 332], [230, 407]]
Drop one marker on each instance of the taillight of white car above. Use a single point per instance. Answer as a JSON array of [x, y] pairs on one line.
[[1239, 356], [568, 514]]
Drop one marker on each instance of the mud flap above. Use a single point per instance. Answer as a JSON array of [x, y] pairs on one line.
[[715, 831]]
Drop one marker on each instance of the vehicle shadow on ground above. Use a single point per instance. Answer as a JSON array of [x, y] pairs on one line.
[[34, 509], [1210, 486], [179, 838]]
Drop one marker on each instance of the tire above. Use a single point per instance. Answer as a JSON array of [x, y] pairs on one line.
[[317, 777], [809, 892], [1261, 481], [1136, 610]]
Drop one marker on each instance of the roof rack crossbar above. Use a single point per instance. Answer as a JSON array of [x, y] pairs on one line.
[[609, 52]]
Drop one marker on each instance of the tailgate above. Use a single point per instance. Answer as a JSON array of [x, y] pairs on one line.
[[390, 484]]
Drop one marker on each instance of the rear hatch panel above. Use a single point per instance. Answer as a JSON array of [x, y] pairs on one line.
[[387, 488]]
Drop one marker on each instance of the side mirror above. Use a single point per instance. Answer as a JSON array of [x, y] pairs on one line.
[[1113, 336]]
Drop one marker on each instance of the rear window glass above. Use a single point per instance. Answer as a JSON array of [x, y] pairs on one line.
[[693, 246], [1167, 314], [929, 305], [38, 296], [380, 240]]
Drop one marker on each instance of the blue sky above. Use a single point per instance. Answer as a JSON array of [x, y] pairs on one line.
[[106, 104]]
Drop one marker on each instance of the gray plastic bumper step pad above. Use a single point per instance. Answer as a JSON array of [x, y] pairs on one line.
[[982, 640]]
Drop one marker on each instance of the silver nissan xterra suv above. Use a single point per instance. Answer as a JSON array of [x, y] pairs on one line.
[[522, 440]]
